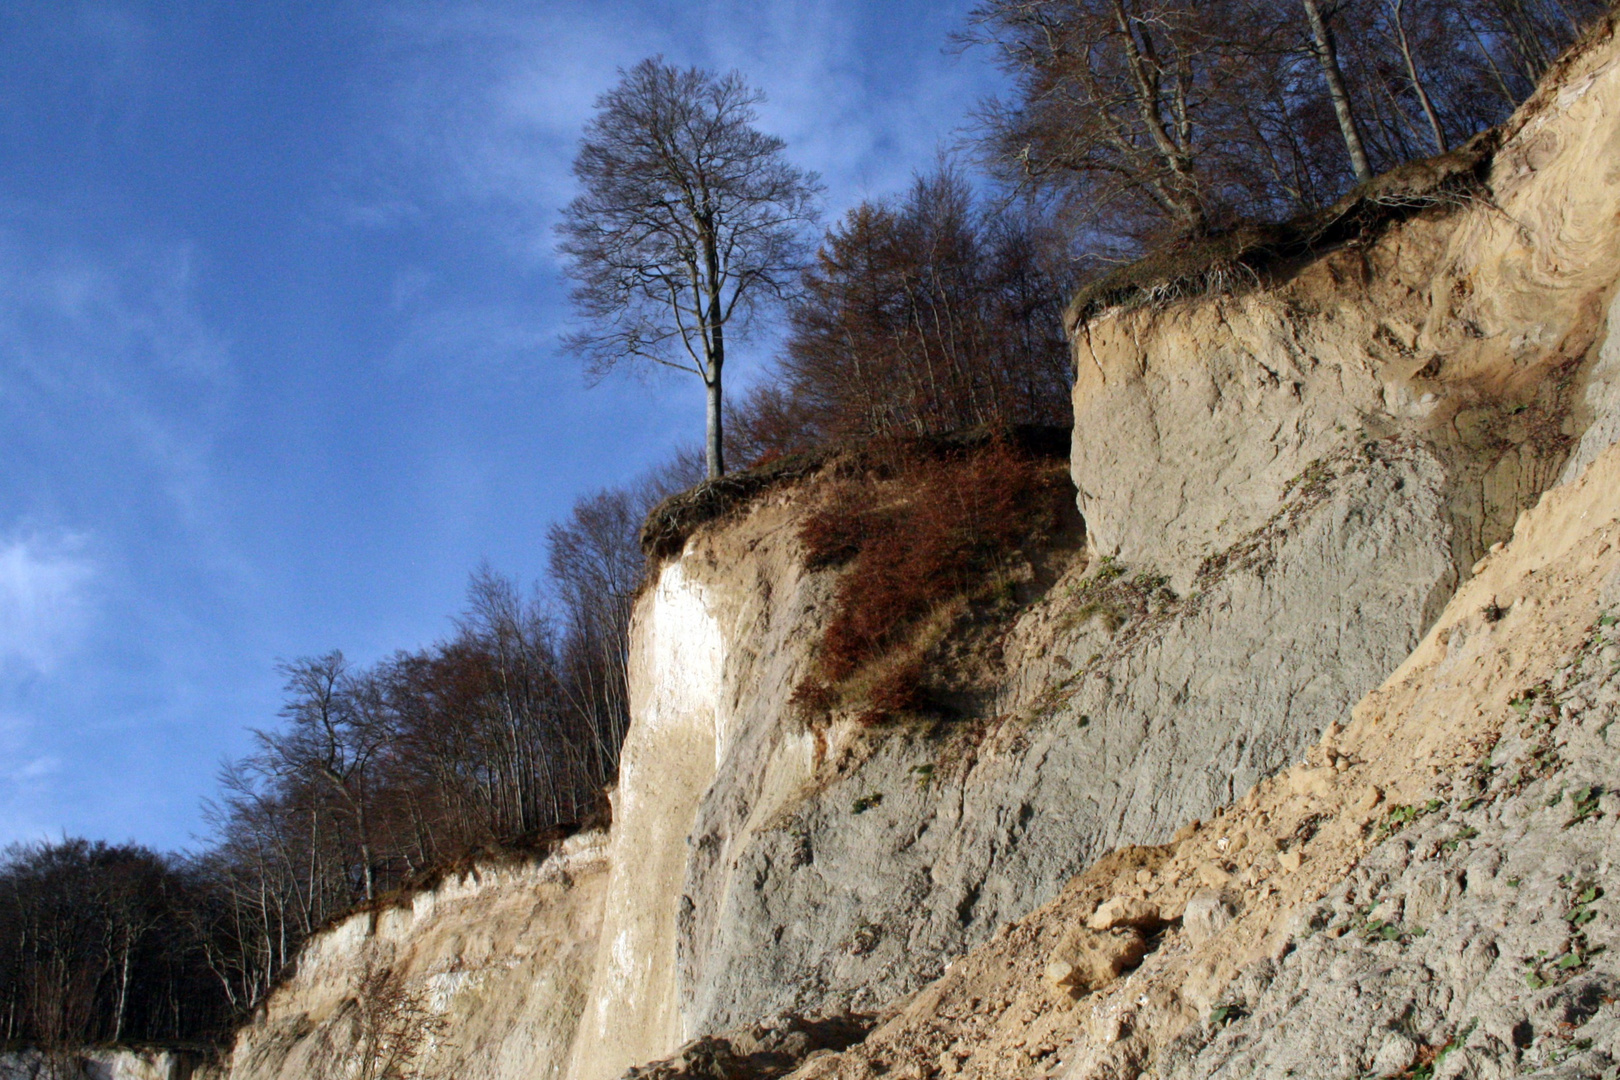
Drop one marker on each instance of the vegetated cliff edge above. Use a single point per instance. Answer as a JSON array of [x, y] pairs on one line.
[[1282, 487]]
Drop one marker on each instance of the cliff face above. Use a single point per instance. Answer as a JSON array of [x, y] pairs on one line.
[[483, 976], [1467, 330], [679, 738], [1287, 484], [1286, 488], [1431, 892]]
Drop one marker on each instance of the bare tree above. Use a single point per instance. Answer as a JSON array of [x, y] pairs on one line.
[[1327, 55], [334, 735], [1131, 108], [1435, 129], [691, 220], [394, 1025]]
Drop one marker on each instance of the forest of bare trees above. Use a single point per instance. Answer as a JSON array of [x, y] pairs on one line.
[[375, 776], [1147, 119], [103, 944], [1130, 123], [933, 312]]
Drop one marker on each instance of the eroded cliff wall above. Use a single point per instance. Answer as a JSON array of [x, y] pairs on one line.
[[1282, 487], [483, 977], [1431, 893], [668, 763]]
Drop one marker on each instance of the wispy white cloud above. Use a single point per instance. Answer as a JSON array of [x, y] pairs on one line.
[[45, 602], [468, 339], [113, 389], [482, 108], [66, 315], [47, 611], [27, 779], [485, 101], [102, 355], [493, 97]]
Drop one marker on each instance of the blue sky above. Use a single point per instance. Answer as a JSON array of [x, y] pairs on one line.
[[278, 319]]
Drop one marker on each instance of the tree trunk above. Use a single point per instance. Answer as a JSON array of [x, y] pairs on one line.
[[714, 344], [1187, 199], [122, 1004], [714, 449], [1417, 83], [1328, 57], [370, 877]]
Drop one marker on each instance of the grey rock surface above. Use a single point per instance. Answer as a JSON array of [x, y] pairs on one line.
[[1600, 400], [860, 890]]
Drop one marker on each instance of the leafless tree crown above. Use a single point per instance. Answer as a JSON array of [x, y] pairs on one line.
[[1153, 118], [688, 222]]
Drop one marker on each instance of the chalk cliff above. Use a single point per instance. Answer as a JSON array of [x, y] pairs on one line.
[[482, 976], [1375, 473]]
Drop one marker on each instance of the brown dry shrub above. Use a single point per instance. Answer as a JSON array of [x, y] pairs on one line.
[[945, 523], [838, 531]]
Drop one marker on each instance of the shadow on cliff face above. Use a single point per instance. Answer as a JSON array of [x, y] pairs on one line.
[[769, 1049]]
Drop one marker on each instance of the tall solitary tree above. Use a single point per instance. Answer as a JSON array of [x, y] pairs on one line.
[[689, 223]]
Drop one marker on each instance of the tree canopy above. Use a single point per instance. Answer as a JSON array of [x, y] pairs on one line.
[[689, 221]]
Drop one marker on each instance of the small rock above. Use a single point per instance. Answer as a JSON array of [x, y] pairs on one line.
[[1207, 914], [1114, 1028], [1125, 911], [1396, 1055], [1060, 973], [1369, 799], [1290, 861], [1090, 959], [1212, 875], [1387, 911], [1311, 782], [1144, 876]]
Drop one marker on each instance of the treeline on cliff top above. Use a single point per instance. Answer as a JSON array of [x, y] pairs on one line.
[[1131, 124]]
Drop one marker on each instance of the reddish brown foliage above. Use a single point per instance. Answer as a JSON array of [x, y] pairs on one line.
[[923, 315], [949, 522]]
